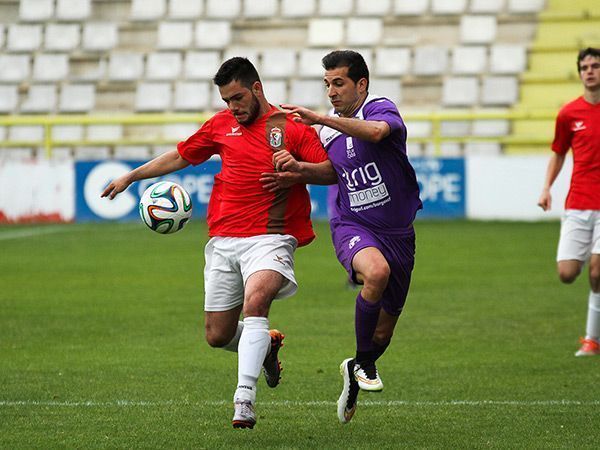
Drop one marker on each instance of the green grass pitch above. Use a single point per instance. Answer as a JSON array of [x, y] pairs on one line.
[[101, 346]]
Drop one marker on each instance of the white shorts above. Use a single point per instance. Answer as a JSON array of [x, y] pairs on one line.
[[579, 235], [231, 260]]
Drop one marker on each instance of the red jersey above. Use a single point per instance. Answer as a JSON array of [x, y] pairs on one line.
[[239, 206], [578, 128]]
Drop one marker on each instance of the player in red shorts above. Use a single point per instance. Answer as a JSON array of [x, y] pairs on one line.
[[578, 128], [254, 233]]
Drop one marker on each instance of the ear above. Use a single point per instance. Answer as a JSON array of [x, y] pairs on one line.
[[257, 88], [362, 85]]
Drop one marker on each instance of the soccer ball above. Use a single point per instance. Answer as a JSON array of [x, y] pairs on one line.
[[165, 207]]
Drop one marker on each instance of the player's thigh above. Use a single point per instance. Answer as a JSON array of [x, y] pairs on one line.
[[369, 263], [261, 288], [223, 282]]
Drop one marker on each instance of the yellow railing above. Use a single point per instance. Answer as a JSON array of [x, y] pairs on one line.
[[436, 119]]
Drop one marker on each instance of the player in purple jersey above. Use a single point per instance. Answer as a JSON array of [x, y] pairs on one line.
[[377, 202]]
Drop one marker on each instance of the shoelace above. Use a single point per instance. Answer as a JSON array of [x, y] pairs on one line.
[[246, 408]]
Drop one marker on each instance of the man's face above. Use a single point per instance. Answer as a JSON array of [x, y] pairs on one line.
[[589, 71], [241, 101], [344, 94]]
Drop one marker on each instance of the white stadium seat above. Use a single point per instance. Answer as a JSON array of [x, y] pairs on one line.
[[386, 87], [213, 34], [2, 133], [9, 97], [453, 128], [295, 8], [73, 9], [67, 133], [373, 7], [216, 102], [430, 60], [469, 60], [336, 8], [419, 128], [309, 93], [77, 98], [192, 96], [163, 66], [201, 65], [490, 127], [36, 10], [175, 35], [444, 7], [460, 91], [110, 132], [525, 6], [410, 7], [185, 9], [61, 37], [50, 67], [263, 9], [325, 32], [2, 35], [508, 58], [310, 63], [483, 148], [478, 29], [390, 61], [24, 38], [275, 91], [125, 66], [502, 91], [178, 131], [40, 99], [100, 36], [486, 6], [131, 152], [91, 153], [14, 68], [250, 53], [364, 31], [26, 133], [223, 9], [147, 9], [153, 97], [278, 63]]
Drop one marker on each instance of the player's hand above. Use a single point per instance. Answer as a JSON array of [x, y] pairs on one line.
[[115, 187], [304, 115], [545, 201], [277, 181], [284, 161]]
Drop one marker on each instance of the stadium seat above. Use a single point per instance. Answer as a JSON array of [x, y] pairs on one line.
[[450, 149], [50, 67], [264, 9], [67, 133], [91, 153], [223, 9], [410, 7], [483, 148], [486, 6], [478, 29], [73, 9], [309, 93], [40, 99], [192, 96], [490, 127], [99, 36], [500, 90], [185, 9], [213, 34], [111, 132], [131, 152], [454, 128], [336, 8], [386, 87], [2, 39], [275, 91], [295, 8], [278, 63], [24, 38], [419, 128], [14, 68], [77, 98], [390, 61], [2, 133], [325, 32], [430, 60], [460, 91], [61, 37], [88, 70], [448, 7], [508, 58], [25, 133], [175, 35], [147, 9], [125, 66], [153, 97], [180, 131], [356, 35], [250, 53], [216, 102], [378, 8], [525, 6], [310, 63], [9, 97], [201, 65], [163, 66], [469, 60], [36, 10]]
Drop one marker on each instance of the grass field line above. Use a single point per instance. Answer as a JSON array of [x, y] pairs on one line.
[[51, 229], [295, 403]]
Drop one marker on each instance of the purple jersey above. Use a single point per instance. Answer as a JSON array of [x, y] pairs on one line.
[[377, 184]]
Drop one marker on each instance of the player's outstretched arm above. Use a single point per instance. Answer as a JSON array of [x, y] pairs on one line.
[[161, 165], [554, 167]]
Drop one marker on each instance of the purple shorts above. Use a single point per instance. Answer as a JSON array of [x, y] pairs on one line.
[[398, 249]]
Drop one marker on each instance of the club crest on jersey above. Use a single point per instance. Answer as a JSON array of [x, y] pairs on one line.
[[275, 137], [578, 126], [350, 153]]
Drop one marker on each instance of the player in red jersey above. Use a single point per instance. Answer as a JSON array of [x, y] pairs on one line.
[[254, 233], [578, 128]]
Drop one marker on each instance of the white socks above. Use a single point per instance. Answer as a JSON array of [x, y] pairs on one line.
[[253, 346], [592, 330], [233, 344]]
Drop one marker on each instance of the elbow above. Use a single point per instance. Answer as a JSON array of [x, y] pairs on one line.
[[378, 134]]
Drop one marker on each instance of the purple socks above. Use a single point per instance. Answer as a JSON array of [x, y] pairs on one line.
[[365, 321]]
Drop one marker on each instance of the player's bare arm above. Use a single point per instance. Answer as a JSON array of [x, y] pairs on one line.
[[554, 167], [166, 163], [368, 130]]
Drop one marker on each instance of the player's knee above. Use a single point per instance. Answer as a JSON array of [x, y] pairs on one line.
[[567, 276], [215, 338], [595, 278], [377, 275]]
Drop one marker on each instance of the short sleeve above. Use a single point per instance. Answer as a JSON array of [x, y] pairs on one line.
[[385, 111], [308, 146], [200, 146], [562, 134]]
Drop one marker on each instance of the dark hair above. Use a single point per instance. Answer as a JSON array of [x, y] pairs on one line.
[[590, 51], [357, 67], [236, 69]]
